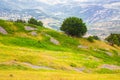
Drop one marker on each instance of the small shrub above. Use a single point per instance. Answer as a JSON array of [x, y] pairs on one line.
[[96, 37], [11, 75], [90, 39], [20, 21], [35, 22], [73, 65]]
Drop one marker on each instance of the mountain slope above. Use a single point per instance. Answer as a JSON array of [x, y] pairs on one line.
[[28, 49], [25, 38]]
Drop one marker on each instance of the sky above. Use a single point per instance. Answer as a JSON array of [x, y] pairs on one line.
[[115, 5], [63, 1], [52, 2]]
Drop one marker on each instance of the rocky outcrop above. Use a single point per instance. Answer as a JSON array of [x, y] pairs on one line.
[[109, 53], [35, 66], [54, 41], [29, 28], [79, 69], [3, 31], [111, 67], [81, 46], [26, 64], [34, 33], [106, 52]]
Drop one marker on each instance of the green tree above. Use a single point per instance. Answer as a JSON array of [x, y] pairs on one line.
[[39, 23], [74, 26], [114, 39], [35, 22]]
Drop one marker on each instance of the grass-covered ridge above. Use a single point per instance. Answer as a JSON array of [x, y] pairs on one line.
[[33, 50]]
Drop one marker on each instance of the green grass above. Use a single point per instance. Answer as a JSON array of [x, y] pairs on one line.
[[8, 26], [20, 46], [20, 27], [31, 43], [66, 41], [54, 75], [103, 71], [12, 67], [91, 64]]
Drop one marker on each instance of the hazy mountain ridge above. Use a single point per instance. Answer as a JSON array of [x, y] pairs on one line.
[[92, 12], [103, 29]]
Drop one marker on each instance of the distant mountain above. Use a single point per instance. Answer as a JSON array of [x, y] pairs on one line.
[[104, 13], [91, 12], [9, 10], [103, 29], [53, 13]]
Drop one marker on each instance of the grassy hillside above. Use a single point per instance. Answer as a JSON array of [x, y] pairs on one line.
[[28, 49]]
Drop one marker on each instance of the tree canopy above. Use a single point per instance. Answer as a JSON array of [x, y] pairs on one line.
[[114, 39], [20, 21], [35, 22], [74, 26]]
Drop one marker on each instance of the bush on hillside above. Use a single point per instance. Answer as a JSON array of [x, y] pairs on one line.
[[90, 39], [113, 39], [74, 26], [20, 21], [35, 22], [96, 37]]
